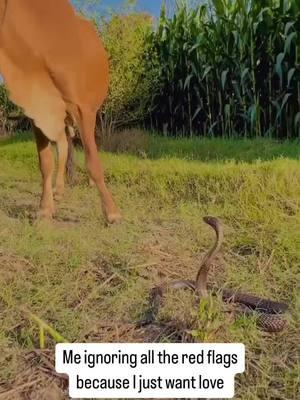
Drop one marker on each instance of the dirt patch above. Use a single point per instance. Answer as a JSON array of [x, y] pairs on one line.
[[36, 379], [10, 265], [246, 250], [22, 210], [175, 331], [63, 222], [167, 260], [133, 141], [109, 273], [104, 275], [161, 248]]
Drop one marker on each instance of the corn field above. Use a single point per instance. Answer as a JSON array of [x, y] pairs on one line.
[[229, 68]]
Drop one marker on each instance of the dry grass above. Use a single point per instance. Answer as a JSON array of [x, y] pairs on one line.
[[133, 141]]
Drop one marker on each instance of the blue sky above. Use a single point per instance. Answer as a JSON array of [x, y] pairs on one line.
[[150, 6]]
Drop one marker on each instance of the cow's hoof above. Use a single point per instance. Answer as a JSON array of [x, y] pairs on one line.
[[91, 183], [58, 194], [45, 214], [114, 218]]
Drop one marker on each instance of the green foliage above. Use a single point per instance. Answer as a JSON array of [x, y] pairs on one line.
[[132, 73], [6, 106], [229, 68], [143, 145], [6, 109], [131, 81]]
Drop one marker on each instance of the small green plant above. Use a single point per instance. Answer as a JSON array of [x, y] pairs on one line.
[[44, 329], [209, 320]]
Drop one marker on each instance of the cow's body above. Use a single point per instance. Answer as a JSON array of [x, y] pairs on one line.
[[55, 66]]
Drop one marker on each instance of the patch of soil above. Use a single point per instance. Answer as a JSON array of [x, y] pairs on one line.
[[65, 222], [65, 215], [22, 210], [246, 250], [36, 379], [167, 260], [117, 332], [10, 265], [112, 273], [109, 275]]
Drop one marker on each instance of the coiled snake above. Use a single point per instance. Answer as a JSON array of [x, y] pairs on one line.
[[268, 312]]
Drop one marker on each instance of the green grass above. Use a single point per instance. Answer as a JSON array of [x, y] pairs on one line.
[[137, 143], [218, 149], [76, 273]]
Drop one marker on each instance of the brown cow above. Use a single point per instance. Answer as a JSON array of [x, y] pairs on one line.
[[55, 67]]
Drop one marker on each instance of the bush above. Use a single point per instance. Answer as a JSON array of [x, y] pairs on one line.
[[131, 80], [7, 108], [6, 105]]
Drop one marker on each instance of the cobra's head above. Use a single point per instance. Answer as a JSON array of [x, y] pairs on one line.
[[214, 222]]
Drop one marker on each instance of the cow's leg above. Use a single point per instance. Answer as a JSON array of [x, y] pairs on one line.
[[95, 168], [62, 150], [47, 169]]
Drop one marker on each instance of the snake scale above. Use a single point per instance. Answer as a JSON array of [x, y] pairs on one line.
[[268, 312]]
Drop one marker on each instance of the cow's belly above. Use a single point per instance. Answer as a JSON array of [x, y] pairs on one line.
[[36, 94]]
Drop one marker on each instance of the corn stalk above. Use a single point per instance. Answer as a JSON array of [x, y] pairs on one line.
[[228, 68]]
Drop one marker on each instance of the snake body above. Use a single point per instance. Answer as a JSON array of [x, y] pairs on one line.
[[268, 312]]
